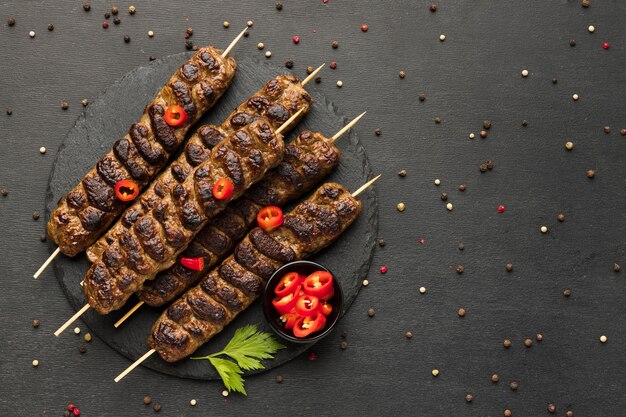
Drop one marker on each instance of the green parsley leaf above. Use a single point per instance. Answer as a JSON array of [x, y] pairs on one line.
[[247, 347]]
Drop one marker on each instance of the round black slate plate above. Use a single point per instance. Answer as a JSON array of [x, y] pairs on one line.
[[107, 119]]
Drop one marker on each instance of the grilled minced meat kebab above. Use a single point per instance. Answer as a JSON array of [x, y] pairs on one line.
[[156, 238], [204, 310], [308, 160], [277, 101], [89, 209]]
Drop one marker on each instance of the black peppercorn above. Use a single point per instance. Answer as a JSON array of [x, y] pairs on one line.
[[461, 246], [617, 267], [86, 7], [279, 6], [524, 122], [461, 187], [437, 120], [371, 312], [334, 44], [572, 42], [377, 131], [117, 20], [246, 34], [607, 129], [289, 64], [65, 105], [444, 196], [188, 45], [381, 242], [551, 408], [567, 292], [107, 15], [490, 165], [152, 58], [126, 38], [344, 334], [469, 398], [279, 378], [459, 269], [554, 81], [561, 217], [4, 192], [9, 111], [50, 27], [433, 7], [343, 345], [509, 267], [36, 215], [43, 237], [422, 97], [11, 21], [487, 124], [147, 400], [156, 407], [114, 10], [82, 348], [514, 385], [402, 173], [318, 80], [36, 323], [309, 70]]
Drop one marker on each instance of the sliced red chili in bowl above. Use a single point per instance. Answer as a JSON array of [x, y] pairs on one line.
[[307, 305], [285, 304], [326, 308], [288, 284], [319, 284], [304, 326]]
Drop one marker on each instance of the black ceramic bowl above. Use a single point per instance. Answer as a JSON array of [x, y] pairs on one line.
[[273, 317]]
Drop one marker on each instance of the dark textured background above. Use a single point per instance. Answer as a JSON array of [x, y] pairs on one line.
[[473, 75]]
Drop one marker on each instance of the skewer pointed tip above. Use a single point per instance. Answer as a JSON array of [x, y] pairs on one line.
[[233, 43], [312, 75], [288, 122], [347, 127], [366, 185], [72, 320], [45, 264], [134, 365]]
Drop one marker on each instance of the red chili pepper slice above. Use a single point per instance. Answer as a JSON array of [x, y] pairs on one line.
[[320, 284], [197, 264], [126, 190], [304, 326], [270, 217], [288, 284], [223, 189], [326, 308], [307, 305], [285, 304], [289, 319], [175, 116]]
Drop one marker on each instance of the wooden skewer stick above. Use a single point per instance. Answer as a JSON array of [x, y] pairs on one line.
[[288, 122], [233, 43], [312, 75], [151, 351], [347, 127], [127, 315], [140, 303], [72, 320], [58, 250], [134, 365], [45, 264], [365, 186]]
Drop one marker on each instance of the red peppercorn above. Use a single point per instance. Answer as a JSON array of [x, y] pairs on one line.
[[333, 64], [500, 209], [606, 45], [312, 356], [422, 241], [76, 411], [296, 39], [364, 27], [105, 24], [71, 407], [324, 1], [383, 269]]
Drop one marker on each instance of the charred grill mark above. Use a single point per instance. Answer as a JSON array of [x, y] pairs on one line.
[[189, 71], [179, 172], [183, 94], [151, 154], [232, 164], [223, 294], [246, 256], [76, 199], [196, 154], [215, 242], [230, 224], [210, 136], [278, 113], [162, 131], [127, 154], [112, 258], [269, 247], [99, 193], [207, 91], [242, 119], [273, 89], [260, 103], [166, 334], [301, 229], [91, 218], [109, 170], [132, 248], [207, 309], [246, 282], [208, 61], [191, 218], [130, 217]]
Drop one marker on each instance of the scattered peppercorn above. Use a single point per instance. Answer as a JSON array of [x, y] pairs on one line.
[[87, 337], [483, 167], [591, 28], [575, 97], [487, 124], [495, 378], [459, 269], [483, 134], [105, 24], [377, 131], [65, 105], [126, 38], [279, 6], [570, 413], [567, 292], [42, 150], [543, 229], [461, 246], [82, 348], [444, 196], [506, 343], [50, 27], [339, 83], [401, 207], [151, 58], [524, 122], [435, 372], [383, 269], [107, 15], [617, 267], [9, 111], [156, 407], [461, 312], [371, 312], [289, 64], [408, 335], [4, 192], [116, 20], [554, 81], [572, 42], [469, 398], [343, 345], [437, 120], [35, 323], [43, 237], [279, 379], [509, 267], [585, 3], [433, 7], [333, 64], [402, 74], [86, 7], [591, 173], [35, 363], [539, 337], [11, 21], [402, 173], [381, 242], [84, 102], [318, 80], [528, 342], [364, 27], [607, 129], [561, 217], [334, 44], [422, 97], [490, 165], [507, 413], [66, 413], [147, 400], [188, 45], [36, 215], [551, 408], [514, 385], [132, 9], [461, 187]]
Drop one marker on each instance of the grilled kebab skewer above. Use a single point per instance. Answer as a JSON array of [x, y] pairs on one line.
[[308, 159], [207, 308], [156, 238], [86, 211]]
